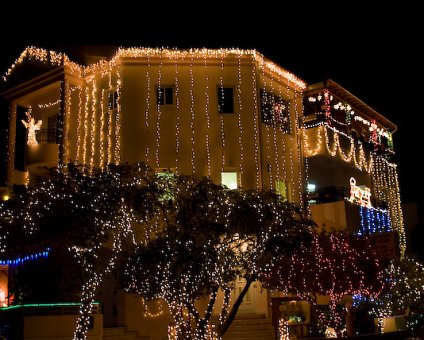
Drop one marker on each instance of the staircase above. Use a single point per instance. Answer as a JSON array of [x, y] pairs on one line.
[[250, 326], [120, 333]]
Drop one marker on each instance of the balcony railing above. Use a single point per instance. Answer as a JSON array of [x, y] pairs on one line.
[[312, 121], [331, 206], [47, 136], [334, 194]]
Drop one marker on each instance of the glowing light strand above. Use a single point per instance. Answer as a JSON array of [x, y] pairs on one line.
[[256, 121], [21, 260], [240, 120]]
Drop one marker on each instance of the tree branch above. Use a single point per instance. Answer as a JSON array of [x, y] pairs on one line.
[[212, 300]]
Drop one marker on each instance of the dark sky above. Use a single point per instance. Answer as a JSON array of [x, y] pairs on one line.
[[372, 53]]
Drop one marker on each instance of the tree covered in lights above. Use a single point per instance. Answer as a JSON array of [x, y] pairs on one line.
[[403, 293], [87, 212], [334, 264], [211, 235]]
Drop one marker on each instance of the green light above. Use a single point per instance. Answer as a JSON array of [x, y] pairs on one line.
[[58, 304]]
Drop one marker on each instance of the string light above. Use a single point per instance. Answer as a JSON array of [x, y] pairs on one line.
[[86, 113], [292, 175], [221, 118], [79, 123], [67, 113], [102, 128], [177, 116], [240, 120], [49, 104], [283, 330], [93, 129], [160, 308], [147, 110], [298, 133], [21, 260], [160, 92], [118, 118], [192, 116], [256, 122], [264, 94], [110, 118], [276, 162], [208, 123]]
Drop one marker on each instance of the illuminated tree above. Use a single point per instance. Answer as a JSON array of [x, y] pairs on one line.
[[334, 264], [211, 236], [186, 238], [404, 292], [88, 212]]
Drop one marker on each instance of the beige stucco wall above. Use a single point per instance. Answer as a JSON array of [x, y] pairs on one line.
[[58, 327], [189, 136], [155, 327]]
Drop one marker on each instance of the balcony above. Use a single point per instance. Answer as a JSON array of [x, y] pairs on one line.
[[333, 210], [337, 193], [321, 138]]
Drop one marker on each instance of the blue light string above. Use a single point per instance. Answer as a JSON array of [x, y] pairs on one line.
[[373, 221], [21, 260]]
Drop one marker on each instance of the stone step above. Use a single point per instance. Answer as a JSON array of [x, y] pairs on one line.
[[113, 330], [237, 322], [250, 326], [120, 333], [250, 336]]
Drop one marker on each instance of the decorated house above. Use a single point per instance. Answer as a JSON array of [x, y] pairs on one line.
[[231, 115], [228, 114]]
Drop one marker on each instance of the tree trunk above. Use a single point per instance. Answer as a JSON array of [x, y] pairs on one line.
[[229, 319], [203, 323], [85, 309]]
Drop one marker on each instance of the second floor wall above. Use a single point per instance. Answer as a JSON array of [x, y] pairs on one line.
[[203, 112]]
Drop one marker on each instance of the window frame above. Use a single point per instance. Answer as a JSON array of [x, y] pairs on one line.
[[165, 87], [237, 178], [268, 115], [286, 197], [219, 88]]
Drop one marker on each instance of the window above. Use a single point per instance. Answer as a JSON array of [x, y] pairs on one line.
[[229, 179], [275, 111], [225, 99], [281, 189], [112, 100], [165, 95], [311, 187]]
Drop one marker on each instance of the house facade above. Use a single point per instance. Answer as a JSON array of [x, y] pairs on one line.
[[231, 115]]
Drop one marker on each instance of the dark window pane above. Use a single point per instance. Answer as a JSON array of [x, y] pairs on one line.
[[169, 95], [165, 95], [225, 100]]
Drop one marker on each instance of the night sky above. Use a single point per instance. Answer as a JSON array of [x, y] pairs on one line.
[[372, 53]]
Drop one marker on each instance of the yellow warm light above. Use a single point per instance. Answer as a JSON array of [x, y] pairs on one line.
[[56, 59], [31, 126]]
